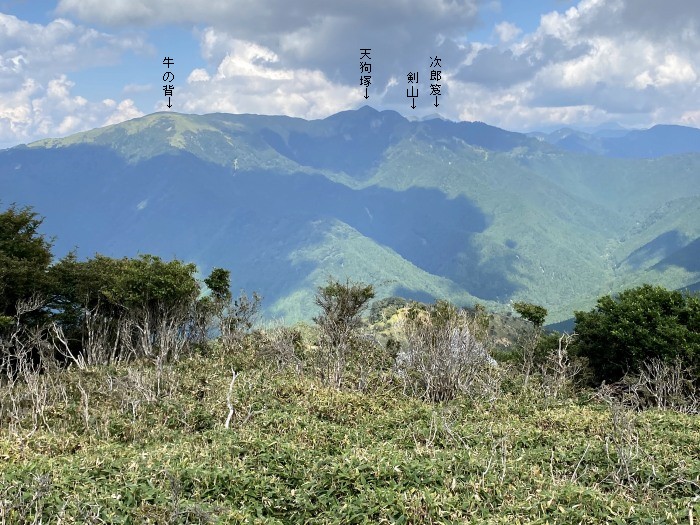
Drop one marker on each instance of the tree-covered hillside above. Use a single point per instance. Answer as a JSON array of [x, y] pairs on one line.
[[429, 209]]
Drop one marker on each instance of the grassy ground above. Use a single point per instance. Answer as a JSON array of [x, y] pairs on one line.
[[135, 444]]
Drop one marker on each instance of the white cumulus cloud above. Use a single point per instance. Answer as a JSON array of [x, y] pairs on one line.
[[634, 61], [249, 78], [507, 32], [35, 111], [37, 97]]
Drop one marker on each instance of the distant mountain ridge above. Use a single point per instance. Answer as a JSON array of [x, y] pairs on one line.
[[425, 209], [658, 141]]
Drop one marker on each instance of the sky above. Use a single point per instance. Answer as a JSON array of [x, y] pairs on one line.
[[72, 65]]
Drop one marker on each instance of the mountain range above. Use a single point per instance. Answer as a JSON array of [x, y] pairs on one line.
[[422, 209], [659, 141]]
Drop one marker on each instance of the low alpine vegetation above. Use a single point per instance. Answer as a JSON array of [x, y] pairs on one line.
[[133, 392]]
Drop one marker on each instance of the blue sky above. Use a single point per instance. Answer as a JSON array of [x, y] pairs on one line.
[[71, 65]]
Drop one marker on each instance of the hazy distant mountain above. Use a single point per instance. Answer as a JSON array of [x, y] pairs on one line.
[[652, 143], [423, 209]]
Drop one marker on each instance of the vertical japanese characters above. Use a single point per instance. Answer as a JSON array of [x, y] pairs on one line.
[[435, 82], [412, 79], [365, 69], [168, 77], [435, 77]]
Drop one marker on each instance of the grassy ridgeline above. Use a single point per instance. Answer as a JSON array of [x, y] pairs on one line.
[[141, 444]]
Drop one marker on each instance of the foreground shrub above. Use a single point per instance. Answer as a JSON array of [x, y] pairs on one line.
[[622, 333], [339, 325], [443, 356]]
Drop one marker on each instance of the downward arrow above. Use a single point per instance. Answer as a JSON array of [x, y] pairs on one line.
[[169, 104], [436, 102], [366, 95], [413, 105]]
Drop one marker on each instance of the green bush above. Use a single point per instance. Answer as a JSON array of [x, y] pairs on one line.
[[643, 323]]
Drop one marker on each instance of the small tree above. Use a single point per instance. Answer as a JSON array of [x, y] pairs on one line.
[[238, 318], [341, 306], [219, 282], [531, 340], [25, 255], [159, 297], [91, 322], [209, 310], [532, 312]]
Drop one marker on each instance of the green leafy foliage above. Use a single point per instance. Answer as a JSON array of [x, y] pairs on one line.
[[219, 282], [148, 281], [639, 324], [25, 255], [534, 313], [116, 288]]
